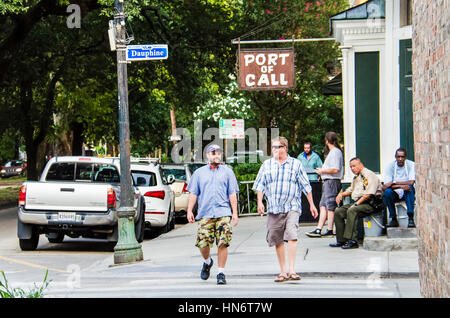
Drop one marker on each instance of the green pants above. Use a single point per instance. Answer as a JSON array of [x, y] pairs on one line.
[[346, 220]]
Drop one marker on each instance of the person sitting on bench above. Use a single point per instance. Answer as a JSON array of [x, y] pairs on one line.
[[398, 185], [363, 188]]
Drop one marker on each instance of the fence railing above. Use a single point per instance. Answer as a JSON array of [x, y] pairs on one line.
[[244, 201], [247, 200]]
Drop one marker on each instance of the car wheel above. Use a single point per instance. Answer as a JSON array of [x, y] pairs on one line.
[[29, 244], [172, 220], [58, 239], [166, 228], [139, 227]]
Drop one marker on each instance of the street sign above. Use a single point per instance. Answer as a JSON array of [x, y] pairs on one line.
[[147, 52], [231, 129]]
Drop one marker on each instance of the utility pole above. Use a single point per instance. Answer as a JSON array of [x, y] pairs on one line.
[[127, 250]]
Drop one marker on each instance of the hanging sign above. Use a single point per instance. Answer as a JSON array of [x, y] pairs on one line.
[[266, 69]]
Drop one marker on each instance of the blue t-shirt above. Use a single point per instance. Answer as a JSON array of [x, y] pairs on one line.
[[213, 188]]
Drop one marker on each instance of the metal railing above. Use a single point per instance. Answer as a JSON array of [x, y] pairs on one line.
[[247, 200], [244, 202]]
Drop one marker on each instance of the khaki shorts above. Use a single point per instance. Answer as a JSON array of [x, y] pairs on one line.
[[210, 229], [282, 227]]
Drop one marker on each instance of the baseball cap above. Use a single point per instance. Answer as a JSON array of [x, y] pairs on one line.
[[213, 148]]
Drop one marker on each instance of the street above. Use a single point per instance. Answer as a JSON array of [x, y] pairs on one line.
[[171, 268]]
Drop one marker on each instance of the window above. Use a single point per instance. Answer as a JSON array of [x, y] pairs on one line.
[[105, 173], [70, 171], [405, 13], [84, 171], [61, 171], [144, 178], [179, 174]]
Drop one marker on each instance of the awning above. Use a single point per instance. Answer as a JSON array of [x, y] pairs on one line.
[[333, 86]]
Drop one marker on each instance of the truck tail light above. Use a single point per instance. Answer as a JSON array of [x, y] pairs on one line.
[[111, 198], [22, 195], [185, 187], [155, 194]]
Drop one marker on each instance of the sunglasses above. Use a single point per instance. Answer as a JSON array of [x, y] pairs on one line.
[[278, 146]]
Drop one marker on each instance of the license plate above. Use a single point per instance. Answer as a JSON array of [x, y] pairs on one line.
[[67, 216]]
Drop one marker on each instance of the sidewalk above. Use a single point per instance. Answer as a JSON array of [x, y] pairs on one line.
[[249, 255]]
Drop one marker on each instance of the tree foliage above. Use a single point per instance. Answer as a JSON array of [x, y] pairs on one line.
[[56, 80]]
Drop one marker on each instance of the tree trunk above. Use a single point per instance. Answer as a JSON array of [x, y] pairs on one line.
[[77, 139]]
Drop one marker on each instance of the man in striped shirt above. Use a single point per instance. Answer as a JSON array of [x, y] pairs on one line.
[[282, 179]]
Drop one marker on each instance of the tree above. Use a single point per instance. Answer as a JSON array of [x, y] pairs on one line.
[[301, 113]]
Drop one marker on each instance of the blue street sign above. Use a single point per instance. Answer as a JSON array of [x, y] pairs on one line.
[[147, 52]]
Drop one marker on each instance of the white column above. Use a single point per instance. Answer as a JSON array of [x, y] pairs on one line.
[[348, 96]]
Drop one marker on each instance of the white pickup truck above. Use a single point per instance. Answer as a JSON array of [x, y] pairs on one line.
[[75, 196]]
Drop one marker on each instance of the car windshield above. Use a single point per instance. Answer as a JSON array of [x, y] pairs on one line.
[[179, 174], [144, 178]]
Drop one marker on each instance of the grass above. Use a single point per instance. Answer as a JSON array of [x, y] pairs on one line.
[[11, 180], [36, 292], [9, 196], [9, 190]]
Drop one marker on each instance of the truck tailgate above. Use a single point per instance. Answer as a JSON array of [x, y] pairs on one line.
[[66, 196]]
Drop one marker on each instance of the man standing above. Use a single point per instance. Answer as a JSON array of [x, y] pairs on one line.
[[215, 186], [398, 185], [282, 179], [310, 161], [364, 186], [331, 173]]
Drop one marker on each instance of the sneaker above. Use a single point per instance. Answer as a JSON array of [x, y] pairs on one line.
[[329, 233], [411, 222], [350, 244], [205, 270], [221, 279], [393, 223], [315, 233]]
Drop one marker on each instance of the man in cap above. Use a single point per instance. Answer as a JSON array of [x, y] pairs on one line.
[[215, 187]]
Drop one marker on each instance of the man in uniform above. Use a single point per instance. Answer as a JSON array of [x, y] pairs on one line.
[[364, 186]]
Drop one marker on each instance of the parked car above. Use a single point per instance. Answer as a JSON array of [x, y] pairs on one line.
[[195, 165], [246, 156], [159, 197], [182, 174], [14, 168], [75, 196]]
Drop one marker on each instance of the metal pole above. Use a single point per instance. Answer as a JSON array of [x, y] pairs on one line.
[[280, 41], [127, 249]]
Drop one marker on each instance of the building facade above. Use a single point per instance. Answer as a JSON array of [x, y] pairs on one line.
[[375, 39], [431, 85]]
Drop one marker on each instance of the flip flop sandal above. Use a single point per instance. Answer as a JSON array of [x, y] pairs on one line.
[[280, 278], [294, 276]]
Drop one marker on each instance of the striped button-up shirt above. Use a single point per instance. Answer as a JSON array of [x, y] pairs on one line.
[[282, 185]]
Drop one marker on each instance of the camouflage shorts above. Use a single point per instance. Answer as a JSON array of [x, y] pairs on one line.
[[210, 229]]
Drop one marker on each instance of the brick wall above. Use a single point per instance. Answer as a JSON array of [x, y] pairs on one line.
[[431, 84]]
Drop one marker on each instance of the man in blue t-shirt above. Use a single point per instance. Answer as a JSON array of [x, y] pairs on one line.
[[310, 161], [399, 179], [215, 187]]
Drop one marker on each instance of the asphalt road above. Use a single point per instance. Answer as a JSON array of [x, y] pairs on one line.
[[82, 268]]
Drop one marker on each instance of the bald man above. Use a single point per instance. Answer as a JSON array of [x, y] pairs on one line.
[[365, 184]]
